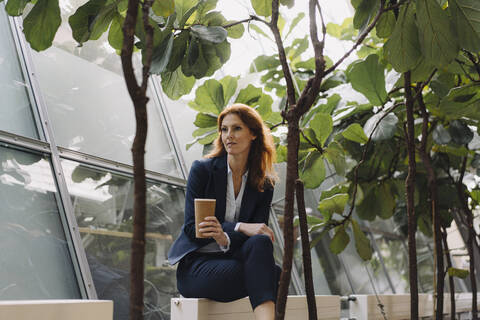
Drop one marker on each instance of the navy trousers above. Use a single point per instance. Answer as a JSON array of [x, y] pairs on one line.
[[249, 271]]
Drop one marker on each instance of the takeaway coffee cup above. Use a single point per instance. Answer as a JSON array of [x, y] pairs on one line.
[[203, 208]]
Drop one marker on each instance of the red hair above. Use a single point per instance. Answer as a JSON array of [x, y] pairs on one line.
[[262, 152]]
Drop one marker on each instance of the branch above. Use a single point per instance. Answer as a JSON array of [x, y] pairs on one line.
[[395, 6], [312, 88], [360, 39], [147, 4], [127, 48], [474, 61], [281, 54], [319, 148], [252, 18]]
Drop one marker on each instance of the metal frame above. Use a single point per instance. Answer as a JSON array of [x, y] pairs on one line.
[[79, 258], [168, 125]]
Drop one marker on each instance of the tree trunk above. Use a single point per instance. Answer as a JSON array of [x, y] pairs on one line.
[[410, 190], [307, 259], [469, 217], [292, 175], [450, 278], [439, 269], [139, 214], [138, 95]]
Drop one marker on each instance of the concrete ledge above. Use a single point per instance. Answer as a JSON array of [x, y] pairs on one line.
[[397, 306], [56, 309], [328, 308]]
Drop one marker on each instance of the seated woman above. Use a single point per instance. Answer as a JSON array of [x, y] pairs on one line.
[[236, 260]]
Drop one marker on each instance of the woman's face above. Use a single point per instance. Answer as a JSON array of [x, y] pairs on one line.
[[236, 136]]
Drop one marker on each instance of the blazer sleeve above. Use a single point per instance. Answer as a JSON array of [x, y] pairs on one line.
[[196, 186], [261, 215]]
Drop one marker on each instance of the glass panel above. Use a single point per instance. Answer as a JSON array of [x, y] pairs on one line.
[[103, 205], [34, 255], [88, 102], [16, 111]]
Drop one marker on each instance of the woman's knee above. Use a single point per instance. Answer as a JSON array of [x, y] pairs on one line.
[[260, 241]]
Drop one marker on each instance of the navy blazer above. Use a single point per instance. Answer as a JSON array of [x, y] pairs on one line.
[[208, 179]]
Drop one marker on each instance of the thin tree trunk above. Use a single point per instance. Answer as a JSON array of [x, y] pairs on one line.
[[410, 190], [469, 217], [450, 278], [292, 175], [438, 279], [307, 259], [138, 95]]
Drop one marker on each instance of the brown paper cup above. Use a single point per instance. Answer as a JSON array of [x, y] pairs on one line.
[[203, 208]]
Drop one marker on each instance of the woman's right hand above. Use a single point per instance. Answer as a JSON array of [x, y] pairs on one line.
[[251, 229]]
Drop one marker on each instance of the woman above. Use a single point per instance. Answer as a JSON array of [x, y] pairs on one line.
[[236, 260]]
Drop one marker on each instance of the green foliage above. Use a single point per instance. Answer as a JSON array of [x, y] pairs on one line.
[[362, 244], [385, 128], [437, 39], [403, 48], [262, 7], [355, 133], [340, 240], [466, 17], [41, 24], [333, 204], [368, 78], [163, 8]]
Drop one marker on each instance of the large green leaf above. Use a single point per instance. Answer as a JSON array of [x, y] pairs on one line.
[[362, 243], [368, 78], [336, 155], [15, 7], [466, 17], [161, 55], [440, 135], [340, 240], [82, 21], [41, 24], [386, 24], [294, 23], [322, 124], [385, 201], [461, 101], [204, 120], [211, 34], [403, 48], [333, 204], [460, 132], [249, 95], [209, 97], [385, 129], [178, 50], [163, 8], [437, 38], [367, 210], [229, 85], [115, 34], [203, 58], [354, 132], [262, 7], [184, 10], [363, 13], [175, 84], [236, 31], [313, 170]]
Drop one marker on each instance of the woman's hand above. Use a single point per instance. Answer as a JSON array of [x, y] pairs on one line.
[[211, 228], [251, 229]]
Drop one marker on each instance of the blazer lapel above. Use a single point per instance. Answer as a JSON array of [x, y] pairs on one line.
[[220, 179]]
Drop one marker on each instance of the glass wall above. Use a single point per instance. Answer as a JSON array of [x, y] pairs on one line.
[[103, 206], [16, 111], [88, 103], [35, 261]]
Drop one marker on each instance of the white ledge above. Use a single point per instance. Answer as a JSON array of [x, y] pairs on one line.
[[56, 309], [328, 308]]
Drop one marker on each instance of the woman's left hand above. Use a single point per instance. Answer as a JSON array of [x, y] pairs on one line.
[[210, 227]]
